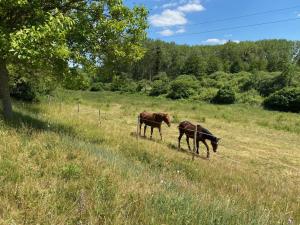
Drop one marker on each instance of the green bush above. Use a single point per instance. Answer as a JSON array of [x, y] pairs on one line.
[[76, 80], [247, 84], [250, 97], [161, 76], [159, 87], [123, 84], [23, 90], [287, 99], [99, 86], [271, 84], [206, 94], [225, 95], [28, 85], [143, 85], [183, 86]]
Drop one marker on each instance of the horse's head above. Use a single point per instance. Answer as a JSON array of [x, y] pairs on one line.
[[215, 143], [166, 118]]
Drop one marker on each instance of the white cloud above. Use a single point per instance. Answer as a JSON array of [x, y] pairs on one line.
[[168, 18], [166, 32], [175, 17], [298, 15], [191, 7], [217, 41], [169, 5], [180, 30], [169, 32]]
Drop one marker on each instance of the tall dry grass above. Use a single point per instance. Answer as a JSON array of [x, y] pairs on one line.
[[58, 166]]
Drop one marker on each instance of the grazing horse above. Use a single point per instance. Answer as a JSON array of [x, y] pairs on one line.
[[202, 135], [153, 120]]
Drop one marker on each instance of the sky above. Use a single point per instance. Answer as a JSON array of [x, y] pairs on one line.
[[194, 22]]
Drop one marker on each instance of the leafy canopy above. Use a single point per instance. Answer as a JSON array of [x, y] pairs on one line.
[[41, 34]]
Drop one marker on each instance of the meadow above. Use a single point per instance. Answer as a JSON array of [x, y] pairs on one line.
[[61, 166]]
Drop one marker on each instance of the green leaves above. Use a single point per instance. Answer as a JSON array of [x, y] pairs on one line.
[[42, 42], [79, 30]]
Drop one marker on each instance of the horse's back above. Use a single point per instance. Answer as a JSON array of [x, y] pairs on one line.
[[149, 119], [189, 129], [184, 124], [146, 115]]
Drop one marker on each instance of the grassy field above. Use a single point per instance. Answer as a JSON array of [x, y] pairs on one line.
[[58, 166]]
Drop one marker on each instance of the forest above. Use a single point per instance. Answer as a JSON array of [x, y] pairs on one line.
[[258, 73]]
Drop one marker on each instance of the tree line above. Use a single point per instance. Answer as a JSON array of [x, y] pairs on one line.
[[175, 60]]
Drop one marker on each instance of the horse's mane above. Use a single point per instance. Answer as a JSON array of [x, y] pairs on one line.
[[210, 136], [206, 131]]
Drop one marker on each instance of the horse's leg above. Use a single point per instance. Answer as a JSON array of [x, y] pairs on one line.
[[207, 148], [188, 142], [179, 138], [159, 129], [151, 132], [140, 128], [197, 145], [145, 127]]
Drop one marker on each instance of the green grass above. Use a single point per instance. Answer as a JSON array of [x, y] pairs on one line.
[[58, 166]]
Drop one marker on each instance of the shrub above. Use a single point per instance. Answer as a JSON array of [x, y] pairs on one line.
[[275, 82], [143, 86], [206, 94], [23, 90], [76, 80], [29, 85], [247, 84], [225, 95], [183, 86], [123, 84], [161, 76], [250, 97], [99, 86], [287, 99], [159, 87]]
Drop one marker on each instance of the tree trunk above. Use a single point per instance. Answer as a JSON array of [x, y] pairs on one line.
[[4, 91]]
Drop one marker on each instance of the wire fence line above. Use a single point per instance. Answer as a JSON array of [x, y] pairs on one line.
[[103, 116], [199, 132]]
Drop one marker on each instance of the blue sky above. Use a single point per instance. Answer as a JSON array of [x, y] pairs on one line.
[[177, 20]]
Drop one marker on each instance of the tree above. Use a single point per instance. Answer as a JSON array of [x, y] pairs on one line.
[[51, 34]]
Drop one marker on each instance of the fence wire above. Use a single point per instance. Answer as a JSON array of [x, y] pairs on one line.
[[103, 116]]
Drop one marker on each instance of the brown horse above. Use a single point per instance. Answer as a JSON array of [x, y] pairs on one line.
[[202, 135], [154, 120]]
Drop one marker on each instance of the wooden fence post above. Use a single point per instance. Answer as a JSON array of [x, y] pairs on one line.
[[99, 117], [195, 142], [138, 131]]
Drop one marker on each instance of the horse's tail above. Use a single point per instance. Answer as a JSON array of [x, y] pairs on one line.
[[141, 117]]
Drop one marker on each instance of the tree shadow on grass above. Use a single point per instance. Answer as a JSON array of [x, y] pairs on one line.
[[170, 146], [181, 150], [22, 120], [141, 137]]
